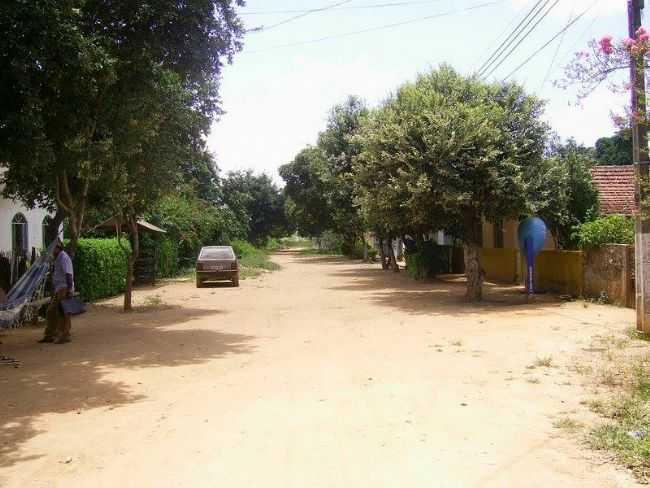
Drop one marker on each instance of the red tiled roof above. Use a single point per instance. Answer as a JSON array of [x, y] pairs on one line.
[[615, 186]]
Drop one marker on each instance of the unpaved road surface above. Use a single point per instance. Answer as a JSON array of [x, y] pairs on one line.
[[328, 373]]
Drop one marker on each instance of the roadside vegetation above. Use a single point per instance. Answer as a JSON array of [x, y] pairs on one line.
[[619, 422]]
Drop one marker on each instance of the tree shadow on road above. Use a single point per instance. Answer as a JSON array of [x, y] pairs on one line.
[[72, 377], [445, 295]]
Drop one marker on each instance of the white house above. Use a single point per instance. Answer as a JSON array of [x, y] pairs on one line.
[[21, 229]]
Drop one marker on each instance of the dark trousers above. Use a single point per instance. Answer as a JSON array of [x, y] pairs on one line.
[[58, 324]]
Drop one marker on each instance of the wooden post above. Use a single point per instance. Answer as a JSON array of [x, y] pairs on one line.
[[641, 164]]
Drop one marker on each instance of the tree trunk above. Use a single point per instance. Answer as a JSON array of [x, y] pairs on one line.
[[474, 273], [365, 250], [392, 259], [133, 257], [382, 254]]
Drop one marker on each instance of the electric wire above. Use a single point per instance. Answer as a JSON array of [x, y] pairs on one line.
[[564, 29], [509, 39], [514, 48], [378, 28], [355, 7], [264, 28], [557, 50]]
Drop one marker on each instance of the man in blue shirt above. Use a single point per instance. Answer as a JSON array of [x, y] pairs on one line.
[[59, 324]]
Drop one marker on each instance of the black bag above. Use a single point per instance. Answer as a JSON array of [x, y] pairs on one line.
[[73, 306]]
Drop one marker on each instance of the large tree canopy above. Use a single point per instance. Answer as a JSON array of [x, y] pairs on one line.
[[66, 70], [446, 151]]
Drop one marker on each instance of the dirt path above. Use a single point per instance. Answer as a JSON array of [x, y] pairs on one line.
[[327, 373]]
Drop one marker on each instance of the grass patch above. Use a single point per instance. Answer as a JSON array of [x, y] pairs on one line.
[[457, 343], [627, 431], [545, 362], [312, 251], [568, 425], [634, 334], [253, 261]]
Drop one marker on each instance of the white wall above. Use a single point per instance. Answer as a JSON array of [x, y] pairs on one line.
[[8, 209]]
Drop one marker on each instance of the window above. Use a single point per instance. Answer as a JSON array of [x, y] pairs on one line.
[[48, 236], [19, 236]]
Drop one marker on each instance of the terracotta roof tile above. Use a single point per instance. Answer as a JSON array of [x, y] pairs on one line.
[[615, 186]]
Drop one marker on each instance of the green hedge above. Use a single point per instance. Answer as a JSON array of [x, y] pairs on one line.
[[100, 267]]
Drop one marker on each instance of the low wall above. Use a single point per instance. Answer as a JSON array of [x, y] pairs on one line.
[[560, 272], [500, 265], [609, 273]]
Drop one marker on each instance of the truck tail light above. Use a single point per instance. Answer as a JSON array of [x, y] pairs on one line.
[[199, 266], [233, 266]]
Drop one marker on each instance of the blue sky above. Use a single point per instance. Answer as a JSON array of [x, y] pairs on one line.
[[277, 98]]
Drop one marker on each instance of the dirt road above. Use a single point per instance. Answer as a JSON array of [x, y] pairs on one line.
[[327, 373]]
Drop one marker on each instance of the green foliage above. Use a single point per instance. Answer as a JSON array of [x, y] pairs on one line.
[[615, 150], [427, 261], [168, 258], [614, 229], [100, 268], [320, 180], [257, 204], [252, 259], [560, 190]]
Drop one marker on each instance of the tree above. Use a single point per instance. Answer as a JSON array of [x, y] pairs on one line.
[[60, 65], [448, 151], [340, 148], [615, 150], [307, 205], [560, 190], [257, 202]]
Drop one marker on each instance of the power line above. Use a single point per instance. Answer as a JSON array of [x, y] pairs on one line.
[[515, 32], [356, 7], [264, 28], [378, 28], [513, 49], [566, 28], [517, 39], [557, 50], [501, 34]]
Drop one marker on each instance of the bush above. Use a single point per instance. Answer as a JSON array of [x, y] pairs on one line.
[[427, 261], [168, 258], [100, 267], [252, 257], [614, 229], [355, 250], [273, 244]]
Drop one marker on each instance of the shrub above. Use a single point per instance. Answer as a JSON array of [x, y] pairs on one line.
[[100, 267], [427, 261], [168, 258], [614, 229], [355, 250], [252, 258]]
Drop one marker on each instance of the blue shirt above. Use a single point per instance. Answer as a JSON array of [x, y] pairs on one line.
[[62, 267]]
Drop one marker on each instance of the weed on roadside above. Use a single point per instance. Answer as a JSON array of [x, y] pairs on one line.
[[457, 343], [534, 381], [543, 362], [568, 424]]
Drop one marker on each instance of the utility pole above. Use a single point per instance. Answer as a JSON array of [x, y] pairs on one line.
[[642, 165]]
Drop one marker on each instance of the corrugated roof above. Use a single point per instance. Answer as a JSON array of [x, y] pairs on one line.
[[615, 186]]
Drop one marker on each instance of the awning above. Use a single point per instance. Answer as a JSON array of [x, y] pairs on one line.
[[143, 224]]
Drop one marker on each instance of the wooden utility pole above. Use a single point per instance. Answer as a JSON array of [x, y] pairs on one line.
[[642, 164]]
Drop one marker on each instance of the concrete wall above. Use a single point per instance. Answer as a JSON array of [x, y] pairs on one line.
[[8, 209], [610, 271], [560, 272], [500, 265]]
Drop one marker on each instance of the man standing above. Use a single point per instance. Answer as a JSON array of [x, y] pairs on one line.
[[59, 324]]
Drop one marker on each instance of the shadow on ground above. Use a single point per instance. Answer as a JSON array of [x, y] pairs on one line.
[[67, 378], [445, 295]]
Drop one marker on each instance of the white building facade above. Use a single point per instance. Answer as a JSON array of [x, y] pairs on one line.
[[21, 229]]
